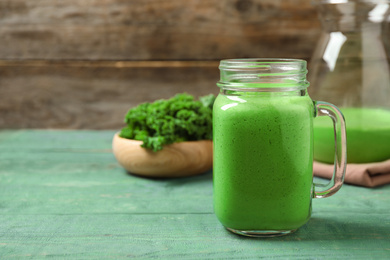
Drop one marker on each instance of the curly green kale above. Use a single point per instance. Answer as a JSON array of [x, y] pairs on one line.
[[162, 122]]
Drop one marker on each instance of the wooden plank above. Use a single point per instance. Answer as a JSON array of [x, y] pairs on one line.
[[156, 30], [186, 236], [79, 165], [48, 79], [63, 195], [93, 95]]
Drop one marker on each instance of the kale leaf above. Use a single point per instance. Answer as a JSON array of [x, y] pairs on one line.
[[180, 118]]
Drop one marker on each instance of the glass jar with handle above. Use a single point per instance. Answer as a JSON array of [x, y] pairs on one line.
[[263, 146]]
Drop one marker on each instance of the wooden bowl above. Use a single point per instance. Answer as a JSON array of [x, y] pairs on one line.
[[174, 160]]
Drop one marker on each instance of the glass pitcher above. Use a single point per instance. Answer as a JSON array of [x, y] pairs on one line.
[[350, 68]]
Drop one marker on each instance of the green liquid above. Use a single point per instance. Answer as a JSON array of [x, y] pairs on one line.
[[368, 136], [263, 155]]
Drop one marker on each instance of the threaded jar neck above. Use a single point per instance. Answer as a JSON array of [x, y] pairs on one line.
[[270, 75]]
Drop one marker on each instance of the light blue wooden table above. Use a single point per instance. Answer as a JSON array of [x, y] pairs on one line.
[[63, 195]]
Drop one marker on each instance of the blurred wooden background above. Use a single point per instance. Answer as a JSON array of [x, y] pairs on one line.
[[84, 63]]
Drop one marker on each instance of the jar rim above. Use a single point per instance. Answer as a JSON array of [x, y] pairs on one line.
[[263, 74], [258, 62]]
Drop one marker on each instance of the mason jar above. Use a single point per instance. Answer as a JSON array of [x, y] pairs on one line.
[[263, 146]]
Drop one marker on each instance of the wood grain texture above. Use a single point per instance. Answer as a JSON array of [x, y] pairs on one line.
[[63, 195], [83, 64], [93, 95], [156, 30]]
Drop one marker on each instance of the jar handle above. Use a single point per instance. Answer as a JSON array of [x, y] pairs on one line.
[[340, 159]]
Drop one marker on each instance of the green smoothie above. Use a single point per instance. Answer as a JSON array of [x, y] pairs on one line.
[[263, 156], [368, 136]]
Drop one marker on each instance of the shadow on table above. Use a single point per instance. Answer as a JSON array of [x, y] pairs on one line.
[[328, 228], [203, 177]]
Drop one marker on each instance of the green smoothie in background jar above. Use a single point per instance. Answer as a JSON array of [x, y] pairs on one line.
[[263, 147], [350, 67], [368, 132]]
